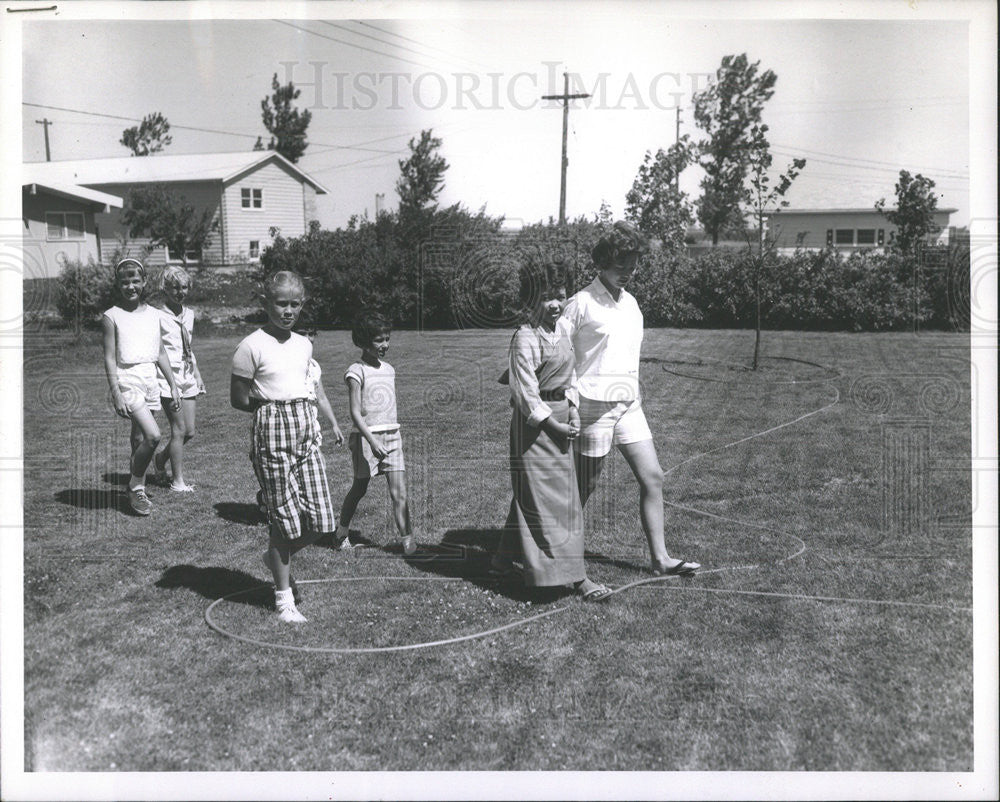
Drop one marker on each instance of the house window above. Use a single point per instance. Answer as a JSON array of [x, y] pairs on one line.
[[64, 225], [252, 198], [866, 236], [844, 236], [191, 256], [254, 249]]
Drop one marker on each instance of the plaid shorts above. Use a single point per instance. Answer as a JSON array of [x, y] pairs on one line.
[[285, 452]]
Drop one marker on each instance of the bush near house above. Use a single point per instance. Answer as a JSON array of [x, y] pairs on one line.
[[461, 271]]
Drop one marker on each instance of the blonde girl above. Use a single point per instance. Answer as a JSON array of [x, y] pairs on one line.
[[177, 332]]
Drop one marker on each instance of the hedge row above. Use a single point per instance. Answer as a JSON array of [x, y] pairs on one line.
[[461, 271]]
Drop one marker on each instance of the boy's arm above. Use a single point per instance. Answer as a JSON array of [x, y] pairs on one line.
[[324, 404], [239, 393], [354, 399], [110, 338], [163, 363]]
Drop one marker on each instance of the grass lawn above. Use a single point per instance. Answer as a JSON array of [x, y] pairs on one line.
[[830, 630]]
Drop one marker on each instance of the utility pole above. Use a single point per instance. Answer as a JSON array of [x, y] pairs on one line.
[[379, 197], [677, 138], [565, 97], [46, 122]]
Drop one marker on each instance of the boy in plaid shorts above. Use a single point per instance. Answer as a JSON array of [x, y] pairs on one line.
[[269, 380]]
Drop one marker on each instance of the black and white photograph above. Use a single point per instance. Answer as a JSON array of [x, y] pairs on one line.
[[499, 400]]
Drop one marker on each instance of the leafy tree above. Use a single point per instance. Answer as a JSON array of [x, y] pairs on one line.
[[168, 219], [726, 111], [421, 176], [914, 212], [655, 204], [763, 196], [287, 124], [150, 136]]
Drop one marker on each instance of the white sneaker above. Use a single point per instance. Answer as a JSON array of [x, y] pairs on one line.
[[290, 614]]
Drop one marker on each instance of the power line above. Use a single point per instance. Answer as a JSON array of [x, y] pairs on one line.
[[428, 47], [351, 44], [380, 41], [894, 170], [893, 165], [358, 146]]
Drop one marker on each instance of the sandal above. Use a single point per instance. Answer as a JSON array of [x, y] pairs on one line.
[[683, 568], [595, 593]]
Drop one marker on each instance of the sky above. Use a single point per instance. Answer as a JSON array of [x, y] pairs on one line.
[[859, 99]]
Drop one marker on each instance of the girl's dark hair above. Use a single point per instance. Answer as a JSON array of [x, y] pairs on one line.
[[367, 326], [304, 323], [622, 240], [539, 278], [130, 264]]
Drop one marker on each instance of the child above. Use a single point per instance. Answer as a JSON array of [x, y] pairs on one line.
[[132, 353], [375, 444], [269, 380], [314, 392], [177, 331]]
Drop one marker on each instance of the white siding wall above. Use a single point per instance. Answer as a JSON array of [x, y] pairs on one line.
[[814, 227], [201, 194], [44, 257], [283, 208]]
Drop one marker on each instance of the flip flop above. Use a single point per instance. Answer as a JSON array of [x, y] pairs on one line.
[[682, 568], [596, 594]]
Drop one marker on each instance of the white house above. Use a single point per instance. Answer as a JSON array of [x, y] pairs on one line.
[[843, 229], [59, 225], [248, 193]]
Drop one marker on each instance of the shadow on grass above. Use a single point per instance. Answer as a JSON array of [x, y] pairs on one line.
[[239, 513], [92, 498], [214, 583], [465, 553], [115, 478]]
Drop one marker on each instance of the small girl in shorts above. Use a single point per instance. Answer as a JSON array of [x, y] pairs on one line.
[[375, 443], [133, 351], [269, 380], [177, 331]]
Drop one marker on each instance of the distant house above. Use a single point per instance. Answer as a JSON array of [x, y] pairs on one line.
[[59, 225], [248, 194], [842, 229]]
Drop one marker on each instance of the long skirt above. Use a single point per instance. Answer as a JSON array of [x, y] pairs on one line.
[[545, 514]]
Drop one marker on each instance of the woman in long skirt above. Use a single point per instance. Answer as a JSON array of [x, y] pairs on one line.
[[545, 521]]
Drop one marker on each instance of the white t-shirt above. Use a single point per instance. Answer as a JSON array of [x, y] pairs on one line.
[[173, 338], [378, 395], [277, 370], [137, 337], [607, 338]]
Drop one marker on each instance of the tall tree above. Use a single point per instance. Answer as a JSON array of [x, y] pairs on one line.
[[762, 197], [726, 111], [149, 136], [168, 219], [287, 124], [421, 177], [914, 212], [655, 205]]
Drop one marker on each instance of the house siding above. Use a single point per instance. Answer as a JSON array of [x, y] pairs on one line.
[[283, 208], [201, 194], [809, 230], [44, 258]]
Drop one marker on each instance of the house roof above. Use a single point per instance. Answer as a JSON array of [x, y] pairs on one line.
[[856, 210], [159, 168], [101, 199]]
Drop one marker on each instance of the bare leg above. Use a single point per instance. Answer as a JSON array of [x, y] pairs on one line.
[[354, 495], [180, 433], [145, 437], [641, 458], [401, 509]]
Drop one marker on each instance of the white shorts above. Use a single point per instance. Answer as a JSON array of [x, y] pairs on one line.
[[183, 378], [139, 386], [607, 423]]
